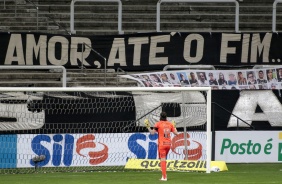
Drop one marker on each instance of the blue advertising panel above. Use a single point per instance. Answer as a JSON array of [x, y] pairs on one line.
[[8, 151]]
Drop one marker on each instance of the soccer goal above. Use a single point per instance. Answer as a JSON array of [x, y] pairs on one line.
[[94, 129]]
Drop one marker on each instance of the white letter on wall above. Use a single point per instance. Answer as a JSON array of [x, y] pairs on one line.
[[63, 52], [138, 42], [40, 47], [199, 50], [225, 50], [153, 60], [117, 48], [15, 46]]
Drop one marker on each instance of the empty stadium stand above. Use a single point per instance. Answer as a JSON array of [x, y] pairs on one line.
[[51, 78], [137, 16]]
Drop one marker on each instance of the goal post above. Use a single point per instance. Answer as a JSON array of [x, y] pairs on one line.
[[89, 129]]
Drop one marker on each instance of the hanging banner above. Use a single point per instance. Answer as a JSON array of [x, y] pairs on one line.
[[146, 51], [270, 78]]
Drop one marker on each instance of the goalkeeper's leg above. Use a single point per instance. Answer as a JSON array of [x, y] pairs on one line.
[[163, 151], [163, 168]]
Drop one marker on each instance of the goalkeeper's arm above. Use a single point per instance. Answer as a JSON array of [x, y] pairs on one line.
[[147, 124]]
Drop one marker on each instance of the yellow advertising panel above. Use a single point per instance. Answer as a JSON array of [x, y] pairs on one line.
[[174, 165]]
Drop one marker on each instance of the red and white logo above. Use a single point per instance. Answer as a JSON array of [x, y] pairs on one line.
[[194, 152], [87, 142]]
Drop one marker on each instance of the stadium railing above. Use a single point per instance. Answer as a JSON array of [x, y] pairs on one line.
[[197, 1], [274, 14], [105, 60], [119, 70], [206, 67]]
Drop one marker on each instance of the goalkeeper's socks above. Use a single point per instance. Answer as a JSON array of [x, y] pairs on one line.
[[163, 167]]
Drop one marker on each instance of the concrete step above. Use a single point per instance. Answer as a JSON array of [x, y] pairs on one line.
[[30, 76], [33, 81], [150, 22], [25, 28], [92, 79], [90, 70], [22, 83], [42, 25], [23, 17], [30, 85], [171, 17], [101, 84]]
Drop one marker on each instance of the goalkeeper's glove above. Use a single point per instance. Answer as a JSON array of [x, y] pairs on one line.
[[173, 123], [146, 122]]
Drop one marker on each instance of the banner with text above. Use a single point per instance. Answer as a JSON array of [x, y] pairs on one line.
[[144, 51]]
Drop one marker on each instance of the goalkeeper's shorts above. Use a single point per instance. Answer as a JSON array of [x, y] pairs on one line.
[[163, 151]]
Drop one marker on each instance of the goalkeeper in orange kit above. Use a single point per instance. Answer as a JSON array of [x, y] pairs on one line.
[[163, 128]]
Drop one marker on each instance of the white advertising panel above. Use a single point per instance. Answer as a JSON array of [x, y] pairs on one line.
[[61, 150], [248, 146]]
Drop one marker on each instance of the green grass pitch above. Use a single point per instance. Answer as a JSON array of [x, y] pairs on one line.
[[236, 174]]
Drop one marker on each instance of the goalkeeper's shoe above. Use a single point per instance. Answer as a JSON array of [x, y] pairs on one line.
[[163, 179]]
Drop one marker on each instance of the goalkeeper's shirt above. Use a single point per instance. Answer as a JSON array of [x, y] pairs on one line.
[[164, 128]]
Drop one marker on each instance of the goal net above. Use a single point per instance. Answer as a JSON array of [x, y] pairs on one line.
[[91, 129]]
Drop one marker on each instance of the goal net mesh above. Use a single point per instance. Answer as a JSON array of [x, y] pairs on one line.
[[89, 130]]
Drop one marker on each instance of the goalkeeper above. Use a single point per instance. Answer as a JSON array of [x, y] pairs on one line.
[[163, 128]]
